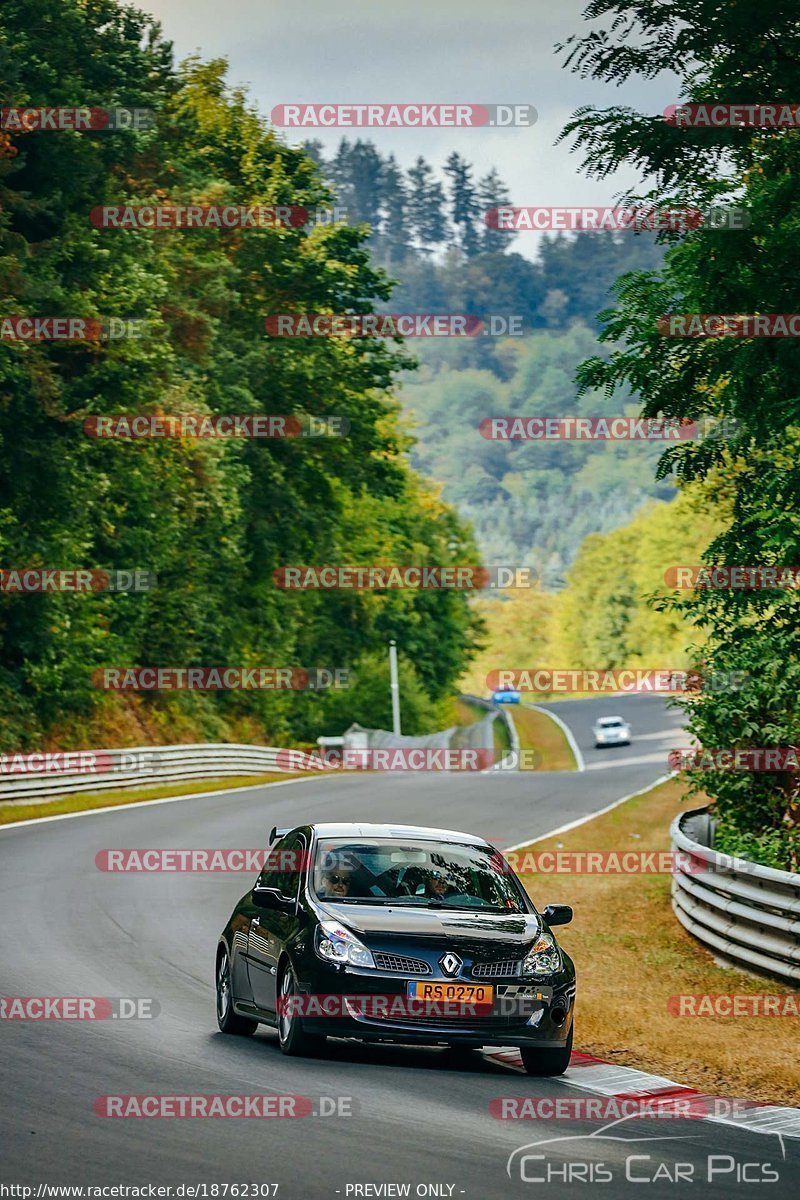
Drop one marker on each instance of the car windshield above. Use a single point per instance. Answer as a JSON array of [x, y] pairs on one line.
[[432, 874], [610, 722]]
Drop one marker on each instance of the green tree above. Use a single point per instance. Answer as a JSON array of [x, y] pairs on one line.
[[464, 205], [426, 207], [721, 54], [395, 226], [493, 193]]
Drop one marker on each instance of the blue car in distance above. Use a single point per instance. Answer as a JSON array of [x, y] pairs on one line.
[[505, 695]]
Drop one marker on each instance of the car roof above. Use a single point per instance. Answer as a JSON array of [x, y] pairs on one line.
[[606, 720], [367, 829]]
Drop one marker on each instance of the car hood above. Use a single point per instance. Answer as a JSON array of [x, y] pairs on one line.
[[435, 923]]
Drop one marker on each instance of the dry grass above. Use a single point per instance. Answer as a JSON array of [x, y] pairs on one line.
[[9, 813], [461, 712], [631, 955], [539, 732]]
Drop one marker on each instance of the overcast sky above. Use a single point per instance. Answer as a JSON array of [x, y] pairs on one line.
[[420, 51]]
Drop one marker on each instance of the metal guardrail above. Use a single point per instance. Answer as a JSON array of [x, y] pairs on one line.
[[745, 913], [505, 716], [98, 770]]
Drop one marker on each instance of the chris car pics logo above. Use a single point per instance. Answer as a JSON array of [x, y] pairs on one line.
[[578, 1158]]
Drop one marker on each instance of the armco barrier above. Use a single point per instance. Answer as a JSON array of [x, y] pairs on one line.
[[138, 766], [746, 914], [505, 716]]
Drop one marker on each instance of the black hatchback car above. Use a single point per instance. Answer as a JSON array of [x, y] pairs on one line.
[[394, 933]]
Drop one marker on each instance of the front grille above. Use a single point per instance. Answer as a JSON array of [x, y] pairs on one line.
[[497, 970], [397, 962]]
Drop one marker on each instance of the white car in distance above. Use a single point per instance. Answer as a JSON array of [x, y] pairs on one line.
[[611, 731]]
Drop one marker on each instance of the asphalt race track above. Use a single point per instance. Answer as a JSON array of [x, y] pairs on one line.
[[416, 1117]]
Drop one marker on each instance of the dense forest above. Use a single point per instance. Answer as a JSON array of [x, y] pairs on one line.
[[212, 519]]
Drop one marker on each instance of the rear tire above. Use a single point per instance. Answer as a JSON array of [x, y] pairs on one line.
[[292, 1038], [227, 1019], [550, 1060]]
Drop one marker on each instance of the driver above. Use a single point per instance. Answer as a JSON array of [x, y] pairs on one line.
[[439, 885], [336, 881]]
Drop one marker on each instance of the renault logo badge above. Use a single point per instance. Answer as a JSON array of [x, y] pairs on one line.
[[450, 963]]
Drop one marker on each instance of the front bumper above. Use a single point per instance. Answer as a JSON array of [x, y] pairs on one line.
[[374, 1007]]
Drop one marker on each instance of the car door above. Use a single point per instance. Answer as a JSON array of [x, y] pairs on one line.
[[270, 928]]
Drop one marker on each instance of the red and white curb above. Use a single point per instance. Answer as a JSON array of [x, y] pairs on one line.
[[590, 1074]]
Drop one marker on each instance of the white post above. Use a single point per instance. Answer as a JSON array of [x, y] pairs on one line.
[[395, 686]]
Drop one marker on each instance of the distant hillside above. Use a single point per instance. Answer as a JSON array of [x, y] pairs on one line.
[[532, 503], [602, 618]]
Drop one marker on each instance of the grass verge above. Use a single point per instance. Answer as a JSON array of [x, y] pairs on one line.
[[502, 739], [463, 712], [540, 733], [631, 955], [85, 802]]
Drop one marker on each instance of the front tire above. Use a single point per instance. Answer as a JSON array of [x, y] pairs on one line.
[[227, 1020], [550, 1060], [292, 1038]]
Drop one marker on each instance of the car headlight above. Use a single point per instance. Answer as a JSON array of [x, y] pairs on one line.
[[336, 944], [543, 958]]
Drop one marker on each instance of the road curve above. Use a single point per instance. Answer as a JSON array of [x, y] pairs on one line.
[[417, 1116]]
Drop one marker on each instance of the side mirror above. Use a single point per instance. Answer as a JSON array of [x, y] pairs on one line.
[[270, 898], [557, 914]]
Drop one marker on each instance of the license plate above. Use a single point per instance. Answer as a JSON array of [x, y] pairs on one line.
[[465, 993]]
